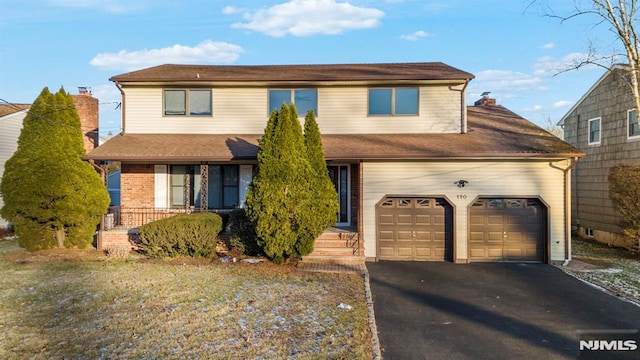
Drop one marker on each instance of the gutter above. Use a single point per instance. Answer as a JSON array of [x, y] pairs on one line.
[[122, 105]]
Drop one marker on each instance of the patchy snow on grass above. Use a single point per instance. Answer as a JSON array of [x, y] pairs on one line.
[[71, 305], [615, 270]]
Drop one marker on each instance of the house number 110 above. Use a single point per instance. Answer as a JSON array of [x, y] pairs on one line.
[[462, 196]]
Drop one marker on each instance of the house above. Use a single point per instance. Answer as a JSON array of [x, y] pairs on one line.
[[419, 175], [12, 115], [604, 125]]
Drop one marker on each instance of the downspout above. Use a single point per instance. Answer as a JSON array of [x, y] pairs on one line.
[[122, 105], [463, 106], [567, 214]]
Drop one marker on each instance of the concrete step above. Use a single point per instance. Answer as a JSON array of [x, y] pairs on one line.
[[337, 243], [344, 259], [338, 235], [341, 251]]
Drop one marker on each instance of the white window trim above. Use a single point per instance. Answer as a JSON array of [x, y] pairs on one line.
[[589, 131], [629, 136]]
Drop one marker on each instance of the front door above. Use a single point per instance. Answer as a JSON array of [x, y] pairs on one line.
[[339, 175]]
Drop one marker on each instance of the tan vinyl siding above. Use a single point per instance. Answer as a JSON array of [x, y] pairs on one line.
[[234, 111], [441, 108], [341, 110], [344, 110], [486, 179]]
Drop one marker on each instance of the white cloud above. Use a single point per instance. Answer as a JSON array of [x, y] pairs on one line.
[[207, 52], [508, 81], [309, 17], [549, 66], [108, 94], [562, 104], [415, 36], [229, 10], [111, 6], [548, 46]]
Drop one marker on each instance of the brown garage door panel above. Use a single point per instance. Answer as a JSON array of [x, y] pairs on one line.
[[412, 229], [506, 229]]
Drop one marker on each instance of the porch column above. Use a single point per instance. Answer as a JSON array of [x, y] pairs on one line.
[[204, 186]]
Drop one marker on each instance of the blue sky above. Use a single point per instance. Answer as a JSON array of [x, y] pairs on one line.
[[512, 48]]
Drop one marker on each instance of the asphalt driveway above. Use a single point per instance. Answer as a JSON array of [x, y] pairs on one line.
[[429, 310]]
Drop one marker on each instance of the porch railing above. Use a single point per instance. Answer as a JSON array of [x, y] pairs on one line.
[[129, 218]]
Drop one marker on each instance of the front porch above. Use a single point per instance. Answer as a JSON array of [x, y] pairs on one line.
[[119, 229]]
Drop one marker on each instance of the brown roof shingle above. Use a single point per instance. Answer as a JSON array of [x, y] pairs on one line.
[[493, 132], [8, 109], [315, 72]]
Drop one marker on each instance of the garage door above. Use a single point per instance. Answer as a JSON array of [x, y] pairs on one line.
[[414, 228], [504, 229]]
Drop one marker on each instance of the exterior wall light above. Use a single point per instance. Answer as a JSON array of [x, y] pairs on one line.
[[461, 183]]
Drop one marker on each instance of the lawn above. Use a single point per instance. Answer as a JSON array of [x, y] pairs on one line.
[[80, 304], [614, 269]]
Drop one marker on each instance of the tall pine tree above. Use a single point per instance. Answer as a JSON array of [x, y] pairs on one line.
[[278, 199], [52, 197], [324, 199]]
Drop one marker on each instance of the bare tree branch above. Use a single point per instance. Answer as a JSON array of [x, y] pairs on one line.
[[621, 17]]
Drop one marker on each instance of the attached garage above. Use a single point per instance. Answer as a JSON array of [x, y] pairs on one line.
[[414, 228], [507, 229]]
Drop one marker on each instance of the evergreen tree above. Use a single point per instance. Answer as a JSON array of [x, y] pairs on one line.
[[52, 197], [324, 199], [278, 198]]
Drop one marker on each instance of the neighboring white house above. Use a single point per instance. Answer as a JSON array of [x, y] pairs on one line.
[[11, 116], [419, 174]]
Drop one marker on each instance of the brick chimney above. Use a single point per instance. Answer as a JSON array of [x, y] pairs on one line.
[[485, 100], [87, 107]]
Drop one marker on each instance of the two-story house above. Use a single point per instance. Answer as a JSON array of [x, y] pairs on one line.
[[604, 125], [419, 174]]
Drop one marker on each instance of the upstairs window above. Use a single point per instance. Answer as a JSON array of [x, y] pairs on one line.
[[187, 102], [594, 131], [393, 101], [303, 99], [633, 125]]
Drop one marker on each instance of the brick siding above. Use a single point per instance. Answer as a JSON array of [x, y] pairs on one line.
[[137, 186], [87, 108]]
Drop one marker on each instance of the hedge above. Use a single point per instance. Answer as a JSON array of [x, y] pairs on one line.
[[192, 235]]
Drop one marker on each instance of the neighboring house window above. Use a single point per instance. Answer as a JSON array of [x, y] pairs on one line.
[[393, 101], [303, 99], [223, 187], [634, 126], [187, 102], [594, 131]]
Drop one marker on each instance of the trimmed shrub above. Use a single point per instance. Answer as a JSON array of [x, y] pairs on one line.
[[243, 234], [192, 235]]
